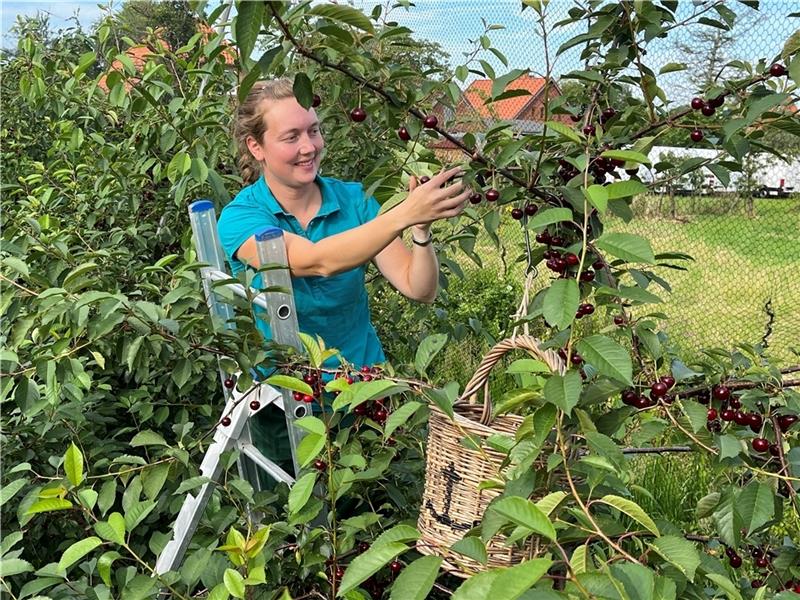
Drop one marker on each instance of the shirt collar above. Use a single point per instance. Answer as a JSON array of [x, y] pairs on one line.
[[330, 202]]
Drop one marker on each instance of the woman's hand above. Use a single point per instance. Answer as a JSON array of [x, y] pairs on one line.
[[434, 199]]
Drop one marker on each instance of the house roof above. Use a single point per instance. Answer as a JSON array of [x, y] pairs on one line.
[[480, 90]]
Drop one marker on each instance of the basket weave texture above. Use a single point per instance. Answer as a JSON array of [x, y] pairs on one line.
[[452, 503]]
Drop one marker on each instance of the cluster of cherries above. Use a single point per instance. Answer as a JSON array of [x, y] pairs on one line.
[[730, 412], [761, 561], [709, 107], [606, 115], [659, 390], [561, 263]]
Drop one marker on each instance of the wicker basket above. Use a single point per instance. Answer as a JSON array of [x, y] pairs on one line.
[[452, 503]]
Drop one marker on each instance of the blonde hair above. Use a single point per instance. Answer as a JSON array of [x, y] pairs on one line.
[[250, 121]]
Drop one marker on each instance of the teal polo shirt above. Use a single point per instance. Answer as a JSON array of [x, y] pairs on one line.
[[336, 308]]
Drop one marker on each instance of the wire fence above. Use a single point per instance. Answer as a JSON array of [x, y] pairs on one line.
[[743, 284]]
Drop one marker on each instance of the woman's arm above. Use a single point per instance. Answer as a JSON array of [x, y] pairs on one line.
[[349, 249]]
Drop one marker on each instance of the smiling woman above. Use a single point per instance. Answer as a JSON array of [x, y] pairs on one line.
[[331, 230]]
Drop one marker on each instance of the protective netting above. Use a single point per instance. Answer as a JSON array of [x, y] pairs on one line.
[[743, 285]]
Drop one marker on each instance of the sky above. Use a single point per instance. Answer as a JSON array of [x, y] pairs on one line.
[[455, 24]]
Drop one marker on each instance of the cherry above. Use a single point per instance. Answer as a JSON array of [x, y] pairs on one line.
[[734, 403], [707, 110], [786, 421], [619, 320], [308, 398], [316, 101], [608, 113], [727, 415], [587, 275], [339, 572], [777, 70], [360, 410], [796, 588], [358, 114], [755, 421], [571, 259], [380, 415], [598, 265], [543, 237], [712, 414], [395, 566], [530, 209], [714, 426], [589, 130], [424, 179], [430, 121], [721, 393], [735, 561], [697, 103], [773, 450], [309, 379], [696, 135], [730, 551], [298, 396], [718, 101], [255, 405], [643, 402], [756, 552], [363, 547], [517, 214], [658, 389], [229, 383], [629, 397], [740, 418], [668, 380], [492, 195], [586, 308], [762, 562], [226, 421], [403, 134], [760, 445], [320, 465], [575, 118], [475, 198], [756, 583]]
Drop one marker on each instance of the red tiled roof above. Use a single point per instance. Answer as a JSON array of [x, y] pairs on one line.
[[480, 90]]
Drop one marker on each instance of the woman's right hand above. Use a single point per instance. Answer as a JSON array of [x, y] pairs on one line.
[[435, 199]]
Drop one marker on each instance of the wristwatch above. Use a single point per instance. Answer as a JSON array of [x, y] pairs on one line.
[[425, 242]]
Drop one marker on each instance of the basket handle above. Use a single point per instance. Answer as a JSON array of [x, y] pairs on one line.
[[481, 377]]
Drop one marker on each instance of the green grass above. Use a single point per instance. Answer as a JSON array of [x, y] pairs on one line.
[[740, 263]]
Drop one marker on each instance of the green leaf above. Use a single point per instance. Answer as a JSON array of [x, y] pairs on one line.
[[550, 216], [289, 383], [14, 566], [561, 302], [398, 533], [563, 391], [247, 25], [696, 412], [549, 503], [344, 14], [302, 91], [301, 492], [400, 416], [564, 130], [628, 247], [375, 389], [309, 448], [311, 424], [598, 196], [180, 164], [472, 547], [511, 583], [625, 189], [633, 510], [680, 552], [731, 590], [672, 67], [428, 348], [73, 465], [417, 579], [578, 562], [707, 504], [104, 565], [234, 583], [523, 512], [756, 505], [148, 438], [112, 530], [48, 505], [627, 156], [728, 520], [608, 357], [477, 587], [136, 513], [107, 495], [367, 564], [77, 551], [8, 491]]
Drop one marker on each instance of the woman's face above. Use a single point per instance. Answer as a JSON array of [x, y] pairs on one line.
[[291, 148]]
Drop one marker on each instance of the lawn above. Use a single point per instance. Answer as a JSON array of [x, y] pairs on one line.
[[740, 264]]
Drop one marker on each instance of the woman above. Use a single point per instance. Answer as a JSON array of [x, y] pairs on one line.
[[331, 230]]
